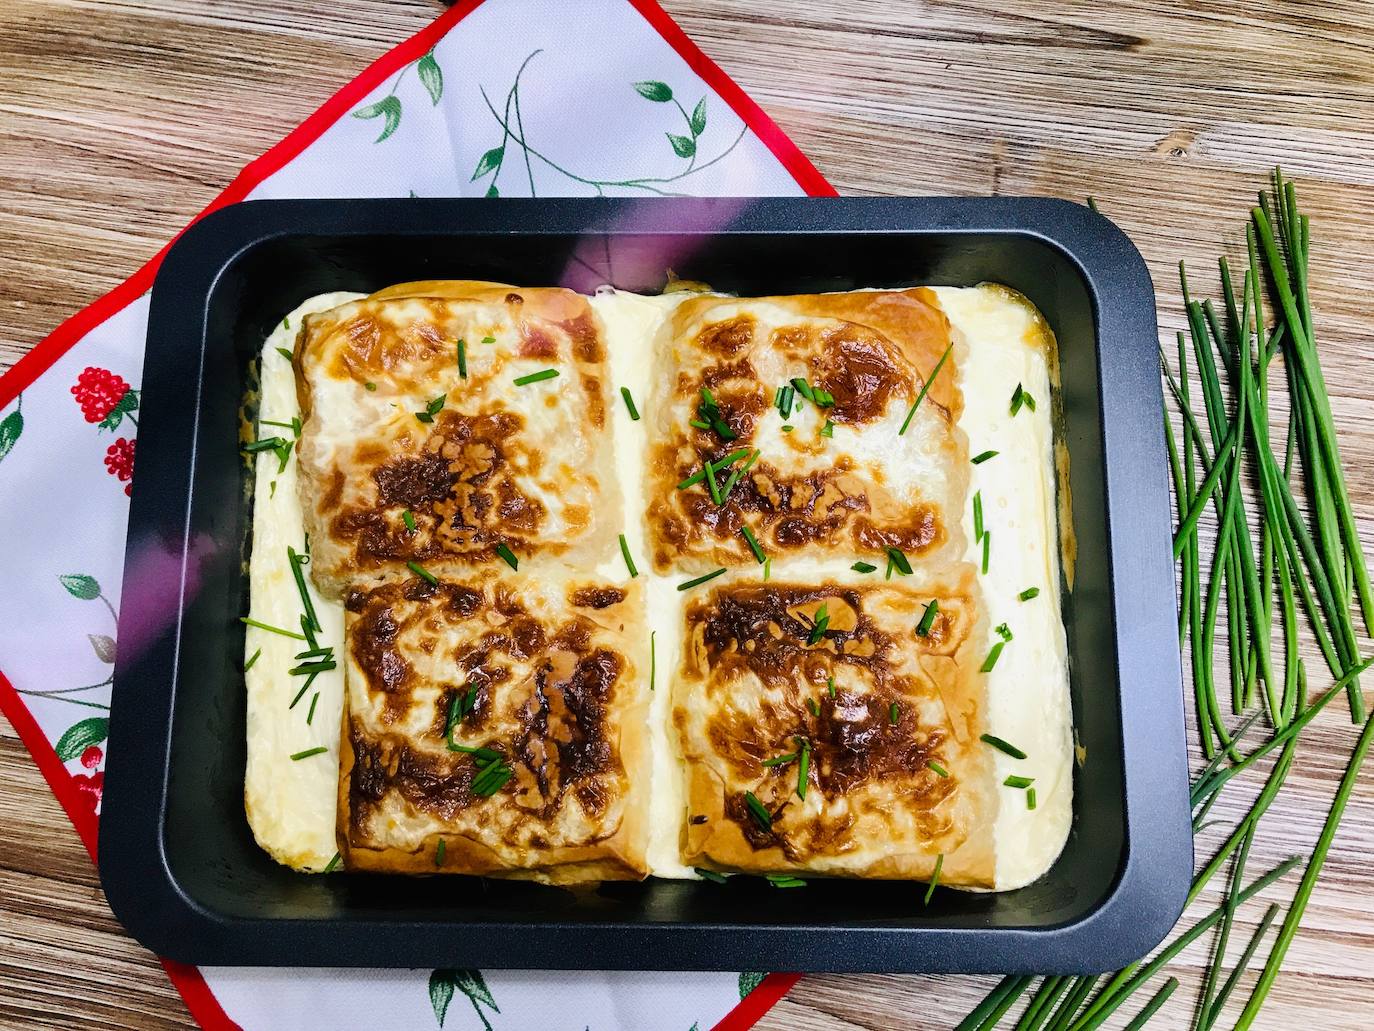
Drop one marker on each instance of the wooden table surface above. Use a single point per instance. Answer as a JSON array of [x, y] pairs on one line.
[[120, 119]]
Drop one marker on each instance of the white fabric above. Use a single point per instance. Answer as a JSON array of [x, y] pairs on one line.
[[581, 111]]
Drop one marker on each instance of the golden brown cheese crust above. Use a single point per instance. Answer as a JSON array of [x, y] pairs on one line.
[[556, 687], [527, 467], [872, 351], [751, 688]]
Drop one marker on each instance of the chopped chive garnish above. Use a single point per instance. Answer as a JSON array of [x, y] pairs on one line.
[[830, 686], [1021, 398], [978, 515], [709, 411], [653, 658], [824, 398], [788, 429], [1029, 593], [272, 489], [828, 430], [803, 388], [724, 463], [758, 811], [507, 556], [993, 655], [894, 713], [781, 760], [864, 567], [485, 755], [815, 708], [272, 629], [297, 561], [276, 422], [315, 653], [709, 875], [491, 778], [767, 568], [819, 626], [804, 770], [408, 518], [753, 544], [925, 387], [333, 863], [630, 404], [423, 573], [286, 353], [455, 714], [432, 409], [488, 340], [987, 550], [899, 560], [369, 386], [785, 880], [296, 426], [979, 459], [252, 659], [1016, 781], [735, 476], [264, 444], [462, 371], [439, 853], [1003, 631], [1030, 798], [1002, 746], [323, 666], [285, 322], [711, 485], [309, 632], [535, 377], [310, 716], [934, 879], [629, 560], [698, 581], [940, 771], [699, 424], [777, 396], [317, 750], [301, 693], [928, 618]]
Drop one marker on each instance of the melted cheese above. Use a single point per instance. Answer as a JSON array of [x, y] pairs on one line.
[[292, 805]]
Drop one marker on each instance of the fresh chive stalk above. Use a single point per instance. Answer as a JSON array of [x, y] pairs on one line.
[[629, 559], [928, 618], [925, 388]]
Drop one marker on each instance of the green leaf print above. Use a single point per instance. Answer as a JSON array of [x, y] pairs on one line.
[[490, 160], [79, 585], [698, 119], [388, 108], [127, 405], [492, 191], [10, 427], [431, 76], [80, 736], [104, 647], [443, 983], [683, 146], [748, 981], [654, 90]]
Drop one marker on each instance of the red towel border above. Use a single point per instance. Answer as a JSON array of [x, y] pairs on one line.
[[201, 1002]]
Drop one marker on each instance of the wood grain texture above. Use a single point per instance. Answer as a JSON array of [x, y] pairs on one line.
[[119, 120]]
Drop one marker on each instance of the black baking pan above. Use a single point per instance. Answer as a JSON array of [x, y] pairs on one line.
[[177, 859]]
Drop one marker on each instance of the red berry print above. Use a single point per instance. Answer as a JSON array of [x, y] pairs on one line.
[[90, 786], [119, 460], [91, 757], [98, 391]]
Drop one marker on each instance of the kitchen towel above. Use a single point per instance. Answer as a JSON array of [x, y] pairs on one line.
[[495, 98]]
